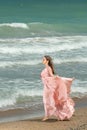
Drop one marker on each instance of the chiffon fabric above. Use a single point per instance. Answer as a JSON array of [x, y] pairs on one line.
[[56, 95]]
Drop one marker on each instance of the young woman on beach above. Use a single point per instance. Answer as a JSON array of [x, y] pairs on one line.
[[56, 99]]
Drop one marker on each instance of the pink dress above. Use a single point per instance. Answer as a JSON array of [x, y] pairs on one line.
[[56, 95]]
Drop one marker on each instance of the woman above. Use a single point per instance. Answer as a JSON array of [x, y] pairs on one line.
[[56, 93]]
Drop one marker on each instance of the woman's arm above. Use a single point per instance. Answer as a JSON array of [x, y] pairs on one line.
[[50, 71]]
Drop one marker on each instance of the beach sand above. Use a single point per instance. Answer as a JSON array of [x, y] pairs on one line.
[[77, 122]]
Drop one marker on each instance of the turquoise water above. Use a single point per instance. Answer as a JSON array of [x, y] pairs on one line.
[[65, 16]]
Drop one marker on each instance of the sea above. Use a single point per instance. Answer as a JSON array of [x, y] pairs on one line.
[[30, 29]]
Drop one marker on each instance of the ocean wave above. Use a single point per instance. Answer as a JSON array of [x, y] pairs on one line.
[[39, 45], [71, 60], [21, 96], [4, 64], [82, 40], [28, 92], [25, 98], [19, 63], [17, 30], [7, 102], [15, 25]]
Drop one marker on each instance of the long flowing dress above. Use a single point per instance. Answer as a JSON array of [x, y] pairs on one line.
[[56, 95]]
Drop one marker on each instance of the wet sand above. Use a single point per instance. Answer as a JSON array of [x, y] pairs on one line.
[[77, 122]]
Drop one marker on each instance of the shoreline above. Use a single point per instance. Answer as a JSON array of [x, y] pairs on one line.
[[31, 113], [20, 114], [77, 122], [21, 119]]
